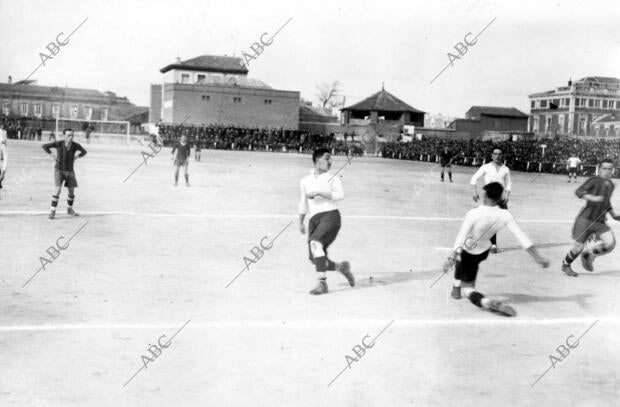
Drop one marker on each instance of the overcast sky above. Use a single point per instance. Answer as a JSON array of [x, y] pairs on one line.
[[531, 46]]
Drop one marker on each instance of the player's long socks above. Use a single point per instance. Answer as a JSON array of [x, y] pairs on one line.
[[450, 175], [176, 178], [187, 178], [70, 200], [477, 298], [570, 256], [54, 202]]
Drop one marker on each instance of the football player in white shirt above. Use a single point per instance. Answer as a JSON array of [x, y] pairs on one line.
[[319, 193], [495, 171], [472, 246], [571, 166]]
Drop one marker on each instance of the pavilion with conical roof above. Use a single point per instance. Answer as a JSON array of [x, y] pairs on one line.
[[382, 107]]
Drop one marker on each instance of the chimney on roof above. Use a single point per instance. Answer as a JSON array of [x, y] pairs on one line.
[[178, 60], [10, 80], [570, 82]]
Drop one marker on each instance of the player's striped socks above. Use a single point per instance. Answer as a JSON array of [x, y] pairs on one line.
[[570, 256], [54, 202], [70, 200]]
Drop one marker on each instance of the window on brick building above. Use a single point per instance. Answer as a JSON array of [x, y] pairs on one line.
[[200, 78], [184, 78], [5, 108], [38, 110], [543, 104], [206, 97], [55, 110], [590, 102], [532, 104], [24, 109], [604, 104]]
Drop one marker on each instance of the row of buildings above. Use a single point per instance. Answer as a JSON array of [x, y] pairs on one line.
[[216, 89]]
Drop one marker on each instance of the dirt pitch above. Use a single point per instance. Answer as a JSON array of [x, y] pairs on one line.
[[147, 257]]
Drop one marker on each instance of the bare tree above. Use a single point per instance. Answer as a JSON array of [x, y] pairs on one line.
[[327, 94]]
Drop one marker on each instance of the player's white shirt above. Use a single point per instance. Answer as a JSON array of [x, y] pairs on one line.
[[483, 222], [493, 173], [573, 162], [325, 182]]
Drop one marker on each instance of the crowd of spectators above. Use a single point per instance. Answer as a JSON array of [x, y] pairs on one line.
[[547, 155], [256, 139]]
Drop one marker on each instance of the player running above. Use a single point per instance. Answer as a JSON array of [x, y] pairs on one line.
[[591, 220], [63, 172], [472, 246], [495, 171], [319, 193], [181, 159], [571, 166], [445, 159]]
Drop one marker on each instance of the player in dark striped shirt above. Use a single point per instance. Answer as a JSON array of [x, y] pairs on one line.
[[181, 159], [63, 173], [592, 220]]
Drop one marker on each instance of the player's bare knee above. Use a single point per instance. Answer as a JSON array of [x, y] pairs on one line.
[[317, 249]]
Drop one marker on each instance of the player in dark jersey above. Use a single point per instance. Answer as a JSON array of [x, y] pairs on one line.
[[591, 220], [445, 159], [181, 159], [197, 148], [63, 173]]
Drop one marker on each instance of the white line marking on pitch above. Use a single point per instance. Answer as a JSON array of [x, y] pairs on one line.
[[242, 216], [309, 324]]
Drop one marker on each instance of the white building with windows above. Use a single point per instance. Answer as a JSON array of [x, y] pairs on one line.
[[574, 109], [24, 99]]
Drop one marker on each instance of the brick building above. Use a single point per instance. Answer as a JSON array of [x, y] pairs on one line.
[[216, 89], [492, 122], [574, 109]]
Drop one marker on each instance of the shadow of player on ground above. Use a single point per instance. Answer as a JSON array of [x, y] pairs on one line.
[[383, 279], [517, 298]]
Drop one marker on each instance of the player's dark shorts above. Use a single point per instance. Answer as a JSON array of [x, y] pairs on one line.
[[323, 227], [445, 164], [68, 177], [181, 163], [572, 171], [466, 269], [583, 228]]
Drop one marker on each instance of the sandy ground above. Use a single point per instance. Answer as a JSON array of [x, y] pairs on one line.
[[146, 257]]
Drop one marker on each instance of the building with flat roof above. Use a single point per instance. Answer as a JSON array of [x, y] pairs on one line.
[[492, 122], [216, 90], [575, 108]]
